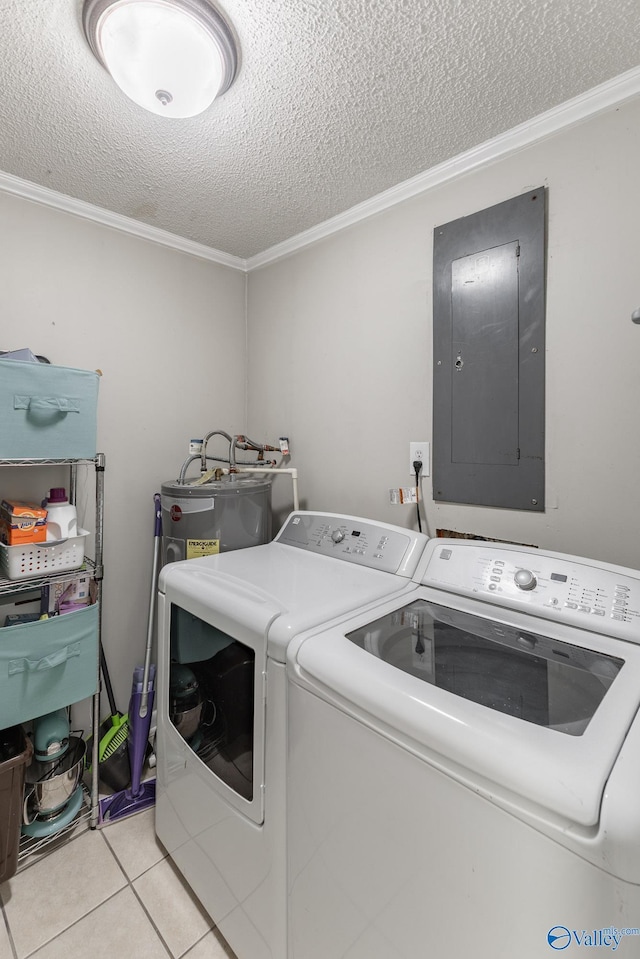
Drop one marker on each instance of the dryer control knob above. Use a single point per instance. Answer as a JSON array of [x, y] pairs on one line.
[[525, 579], [337, 536]]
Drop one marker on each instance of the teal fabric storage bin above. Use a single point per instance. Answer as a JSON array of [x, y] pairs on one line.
[[47, 412], [47, 665]]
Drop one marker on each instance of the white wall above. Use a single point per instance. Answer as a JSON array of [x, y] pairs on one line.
[[168, 332], [339, 357], [340, 347]]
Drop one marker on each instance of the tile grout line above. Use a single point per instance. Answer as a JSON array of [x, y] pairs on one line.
[[165, 857], [130, 883], [81, 918], [22, 869], [75, 922], [8, 928], [149, 917], [32, 858], [213, 928]]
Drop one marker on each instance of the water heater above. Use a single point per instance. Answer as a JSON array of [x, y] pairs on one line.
[[233, 512]]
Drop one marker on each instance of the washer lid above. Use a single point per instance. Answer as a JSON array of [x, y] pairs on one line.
[[517, 708]]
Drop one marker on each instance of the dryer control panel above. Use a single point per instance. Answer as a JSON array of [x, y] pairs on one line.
[[354, 540], [580, 592]]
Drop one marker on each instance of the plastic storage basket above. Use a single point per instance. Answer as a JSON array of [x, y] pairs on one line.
[[42, 559]]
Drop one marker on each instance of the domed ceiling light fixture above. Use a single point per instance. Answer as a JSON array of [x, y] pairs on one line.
[[172, 57]]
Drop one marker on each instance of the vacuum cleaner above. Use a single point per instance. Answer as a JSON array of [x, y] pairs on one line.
[[139, 795]]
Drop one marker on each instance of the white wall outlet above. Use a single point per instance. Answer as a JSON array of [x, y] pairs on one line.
[[419, 451]]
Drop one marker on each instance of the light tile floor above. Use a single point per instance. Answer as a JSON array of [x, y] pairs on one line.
[[108, 893]]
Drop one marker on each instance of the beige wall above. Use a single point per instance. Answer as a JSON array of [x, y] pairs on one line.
[[340, 347], [168, 332]]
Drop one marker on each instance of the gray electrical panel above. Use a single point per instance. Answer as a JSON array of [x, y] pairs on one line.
[[488, 340]]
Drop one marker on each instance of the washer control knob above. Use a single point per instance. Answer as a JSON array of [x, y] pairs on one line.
[[525, 579], [337, 536]]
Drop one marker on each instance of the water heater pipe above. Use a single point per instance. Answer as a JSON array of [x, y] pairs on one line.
[[291, 470], [203, 452], [196, 456]]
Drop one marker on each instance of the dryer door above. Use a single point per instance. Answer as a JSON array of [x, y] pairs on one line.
[[212, 662]]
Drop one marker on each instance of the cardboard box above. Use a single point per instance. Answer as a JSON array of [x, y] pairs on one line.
[[22, 523], [76, 590]]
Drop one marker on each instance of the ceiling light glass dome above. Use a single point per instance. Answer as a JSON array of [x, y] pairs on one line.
[[172, 57]]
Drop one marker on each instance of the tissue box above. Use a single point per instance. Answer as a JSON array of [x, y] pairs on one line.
[[22, 523]]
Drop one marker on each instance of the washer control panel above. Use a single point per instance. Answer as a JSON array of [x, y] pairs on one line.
[[354, 540], [581, 592]]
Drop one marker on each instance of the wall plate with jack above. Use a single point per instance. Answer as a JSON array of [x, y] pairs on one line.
[[419, 451]]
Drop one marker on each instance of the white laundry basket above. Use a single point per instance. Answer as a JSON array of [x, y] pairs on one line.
[[29, 560]]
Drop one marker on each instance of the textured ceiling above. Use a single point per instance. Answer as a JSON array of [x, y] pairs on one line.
[[336, 101]]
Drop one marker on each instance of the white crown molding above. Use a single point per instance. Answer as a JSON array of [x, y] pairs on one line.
[[598, 100], [124, 224]]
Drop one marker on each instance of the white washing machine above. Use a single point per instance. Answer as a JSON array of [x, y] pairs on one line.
[[224, 625], [464, 765]]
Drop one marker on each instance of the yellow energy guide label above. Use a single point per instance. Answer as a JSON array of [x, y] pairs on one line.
[[197, 548]]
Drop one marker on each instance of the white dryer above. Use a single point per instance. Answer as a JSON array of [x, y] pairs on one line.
[[224, 624], [464, 764]]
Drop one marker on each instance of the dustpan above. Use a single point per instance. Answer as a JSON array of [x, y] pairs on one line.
[[113, 756]]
